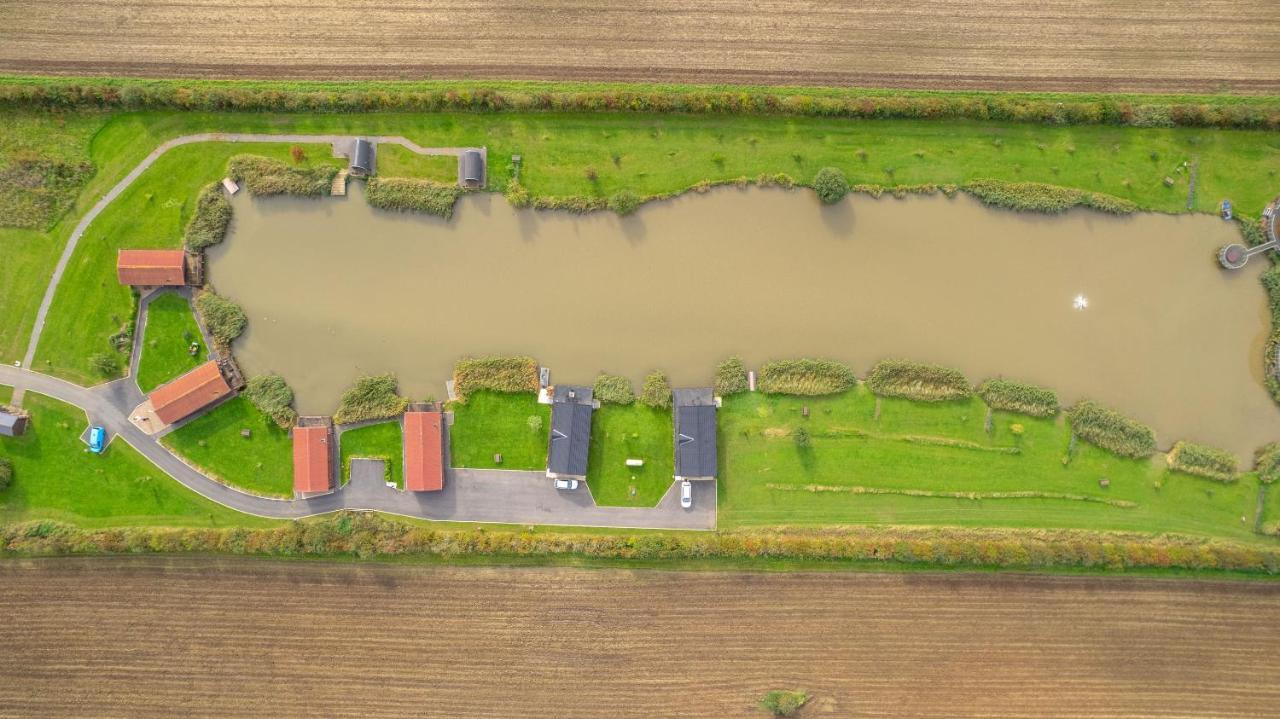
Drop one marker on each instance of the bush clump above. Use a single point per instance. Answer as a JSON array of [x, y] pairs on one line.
[[1042, 197], [105, 364], [6, 473], [1111, 430], [273, 397], [731, 377], [806, 377], [496, 374], [208, 226], [1203, 461], [1018, 397], [914, 380], [405, 194], [613, 389], [624, 202], [223, 318], [656, 391], [1267, 462], [831, 185], [265, 176], [783, 702], [371, 397]]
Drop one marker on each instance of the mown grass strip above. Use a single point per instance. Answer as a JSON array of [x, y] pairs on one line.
[[856, 489]]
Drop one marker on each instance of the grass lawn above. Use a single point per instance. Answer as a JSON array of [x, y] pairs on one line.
[[622, 432], [377, 441], [171, 328], [906, 449], [396, 161], [490, 423], [6, 393], [56, 477], [261, 463]]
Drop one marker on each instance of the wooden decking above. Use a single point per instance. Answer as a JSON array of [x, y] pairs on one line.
[[339, 188]]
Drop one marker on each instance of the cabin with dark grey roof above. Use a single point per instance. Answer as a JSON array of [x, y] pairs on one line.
[[571, 408], [695, 433], [362, 157], [472, 168], [12, 422]]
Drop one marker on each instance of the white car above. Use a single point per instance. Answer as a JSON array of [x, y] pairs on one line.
[[686, 494], [566, 484]]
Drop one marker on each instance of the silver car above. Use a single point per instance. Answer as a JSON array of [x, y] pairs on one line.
[[686, 494], [566, 484]]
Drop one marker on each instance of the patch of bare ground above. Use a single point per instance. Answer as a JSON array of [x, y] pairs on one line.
[[200, 637], [1107, 45]]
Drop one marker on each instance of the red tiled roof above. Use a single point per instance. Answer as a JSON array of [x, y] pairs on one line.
[[312, 459], [423, 452], [193, 391], [152, 267]]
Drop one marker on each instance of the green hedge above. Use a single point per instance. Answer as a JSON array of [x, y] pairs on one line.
[[1203, 461], [914, 380], [613, 389], [731, 377], [498, 374], [1041, 197], [1267, 462], [273, 397], [1111, 430], [208, 225], [1011, 396], [806, 377], [223, 318], [656, 391], [371, 397], [265, 176], [404, 194]]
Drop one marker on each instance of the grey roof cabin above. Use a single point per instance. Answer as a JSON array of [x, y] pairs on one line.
[[472, 169], [695, 433], [362, 159], [571, 408], [12, 424]]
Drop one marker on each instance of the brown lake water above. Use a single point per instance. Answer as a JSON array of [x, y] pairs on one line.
[[335, 289]]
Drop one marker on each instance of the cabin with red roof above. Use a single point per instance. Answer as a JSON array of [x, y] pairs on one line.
[[156, 268], [189, 393], [312, 459], [423, 451]]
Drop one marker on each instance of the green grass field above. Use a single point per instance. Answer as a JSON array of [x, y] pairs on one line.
[[171, 330], [56, 477], [396, 161], [767, 478], [490, 423], [261, 463], [622, 432], [377, 441]]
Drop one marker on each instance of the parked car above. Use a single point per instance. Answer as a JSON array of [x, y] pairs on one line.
[[566, 484], [686, 494], [97, 439]]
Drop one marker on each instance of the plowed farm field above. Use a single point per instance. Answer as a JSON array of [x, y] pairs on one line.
[[1107, 45], [199, 637]]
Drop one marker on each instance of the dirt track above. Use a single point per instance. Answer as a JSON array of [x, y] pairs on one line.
[[1158, 45], [201, 637]]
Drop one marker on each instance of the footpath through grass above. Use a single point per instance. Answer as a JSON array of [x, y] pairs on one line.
[[166, 343], [634, 431], [491, 423], [382, 441], [261, 463]]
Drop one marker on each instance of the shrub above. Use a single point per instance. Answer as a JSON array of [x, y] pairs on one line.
[[6, 473], [831, 185], [298, 154], [913, 380], [624, 202], [613, 389], [265, 176], [801, 438], [535, 423], [516, 194], [497, 374], [656, 391], [1018, 397], [104, 363], [371, 397], [223, 318], [806, 377], [273, 397], [404, 194], [1267, 462], [208, 226], [783, 702], [1203, 461], [1041, 197], [1111, 430], [731, 377]]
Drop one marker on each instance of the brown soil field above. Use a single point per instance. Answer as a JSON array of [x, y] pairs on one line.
[[1108, 45], [201, 637]]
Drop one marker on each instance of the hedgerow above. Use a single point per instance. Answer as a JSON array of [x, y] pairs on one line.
[[1266, 462], [1203, 461], [1111, 430], [1018, 397], [273, 397], [731, 377], [208, 225], [265, 176], [806, 377], [223, 318], [371, 397], [413, 195], [369, 535], [1041, 197], [613, 389], [656, 391], [6, 473], [494, 373], [914, 380]]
